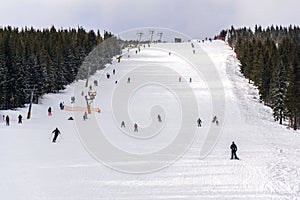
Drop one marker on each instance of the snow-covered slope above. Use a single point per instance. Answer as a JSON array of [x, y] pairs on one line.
[[32, 167]]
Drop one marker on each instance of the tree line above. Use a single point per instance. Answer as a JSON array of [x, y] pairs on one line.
[[270, 58], [46, 60]]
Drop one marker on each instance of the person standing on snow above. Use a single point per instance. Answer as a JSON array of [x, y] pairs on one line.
[[49, 111], [85, 116], [122, 124], [199, 122], [56, 133], [20, 119], [159, 118], [136, 128], [233, 148], [7, 120]]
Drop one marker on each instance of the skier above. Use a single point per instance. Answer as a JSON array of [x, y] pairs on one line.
[[49, 111], [3, 117], [95, 83], [20, 119], [114, 71], [61, 105], [136, 128], [233, 148], [7, 120], [72, 99], [56, 133], [122, 124], [85, 116], [215, 120], [179, 79], [199, 122], [190, 80], [128, 80], [159, 118], [169, 53], [107, 75]]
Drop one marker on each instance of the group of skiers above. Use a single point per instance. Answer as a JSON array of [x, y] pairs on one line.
[[135, 126], [7, 119]]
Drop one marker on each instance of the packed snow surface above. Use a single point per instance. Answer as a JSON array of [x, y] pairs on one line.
[[32, 167]]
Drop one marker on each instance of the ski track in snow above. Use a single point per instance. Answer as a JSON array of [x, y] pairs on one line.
[[34, 168]]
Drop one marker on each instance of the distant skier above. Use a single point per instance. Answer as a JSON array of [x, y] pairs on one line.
[[85, 116], [49, 111], [169, 53], [215, 120], [114, 71], [56, 133], [199, 122], [135, 127], [190, 80], [128, 80], [72, 99], [7, 120], [20, 119], [179, 79], [107, 75], [62, 105], [95, 83], [233, 148], [122, 124], [159, 118]]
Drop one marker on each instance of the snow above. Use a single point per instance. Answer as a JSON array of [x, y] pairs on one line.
[[32, 167]]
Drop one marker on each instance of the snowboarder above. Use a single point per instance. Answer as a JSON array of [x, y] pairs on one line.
[[85, 116], [233, 148], [135, 127], [49, 111], [199, 122], [159, 118], [7, 120], [56, 133], [122, 124], [20, 119]]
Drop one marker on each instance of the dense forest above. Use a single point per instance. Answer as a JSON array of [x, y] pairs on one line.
[[270, 58], [47, 60]]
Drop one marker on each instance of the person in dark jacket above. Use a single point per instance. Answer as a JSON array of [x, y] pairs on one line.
[[233, 148], [199, 122], [49, 111], [20, 119], [7, 120], [56, 133]]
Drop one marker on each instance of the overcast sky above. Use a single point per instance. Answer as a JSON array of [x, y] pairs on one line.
[[196, 18]]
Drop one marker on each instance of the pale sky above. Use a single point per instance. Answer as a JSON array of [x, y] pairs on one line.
[[195, 18]]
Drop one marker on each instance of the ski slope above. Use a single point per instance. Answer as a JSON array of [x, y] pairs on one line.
[[32, 167]]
